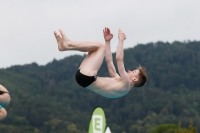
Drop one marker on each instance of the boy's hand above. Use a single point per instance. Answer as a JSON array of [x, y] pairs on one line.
[[107, 35], [121, 35]]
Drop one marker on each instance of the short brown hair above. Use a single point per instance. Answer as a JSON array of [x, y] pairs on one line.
[[142, 77]]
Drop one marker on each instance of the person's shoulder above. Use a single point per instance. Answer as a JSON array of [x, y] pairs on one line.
[[3, 89]]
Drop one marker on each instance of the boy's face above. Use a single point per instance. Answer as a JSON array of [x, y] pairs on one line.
[[134, 75]]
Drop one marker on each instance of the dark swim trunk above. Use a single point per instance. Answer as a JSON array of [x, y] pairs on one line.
[[84, 80]]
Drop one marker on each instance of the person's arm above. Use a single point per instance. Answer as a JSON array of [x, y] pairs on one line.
[[4, 96], [3, 89], [120, 57], [3, 113], [108, 57], [109, 61]]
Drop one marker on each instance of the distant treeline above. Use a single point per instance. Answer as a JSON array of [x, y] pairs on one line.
[[46, 99]]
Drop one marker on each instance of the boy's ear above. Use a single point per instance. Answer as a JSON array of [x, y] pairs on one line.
[[135, 79]]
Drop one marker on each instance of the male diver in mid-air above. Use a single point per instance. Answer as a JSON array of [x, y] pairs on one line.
[[111, 87], [4, 101]]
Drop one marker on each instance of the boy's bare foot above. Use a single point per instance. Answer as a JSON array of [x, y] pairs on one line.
[[63, 41]]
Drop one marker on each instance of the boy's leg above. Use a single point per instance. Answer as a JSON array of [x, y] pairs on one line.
[[96, 51], [64, 44], [93, 61]]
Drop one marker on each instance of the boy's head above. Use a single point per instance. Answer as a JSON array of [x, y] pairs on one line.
[[138, 76]]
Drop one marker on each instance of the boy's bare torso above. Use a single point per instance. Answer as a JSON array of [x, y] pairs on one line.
[[109, 87]]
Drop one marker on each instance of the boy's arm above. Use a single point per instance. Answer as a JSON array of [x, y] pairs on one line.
[[120, 57], [109, 61], [108, 57]]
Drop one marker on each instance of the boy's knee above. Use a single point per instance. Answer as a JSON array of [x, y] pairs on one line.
[[102, 45], [97, 46]]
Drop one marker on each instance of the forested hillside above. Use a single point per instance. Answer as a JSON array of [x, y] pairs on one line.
[[47, 99]]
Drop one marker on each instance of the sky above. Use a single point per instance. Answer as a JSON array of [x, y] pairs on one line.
[[26, 27]]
